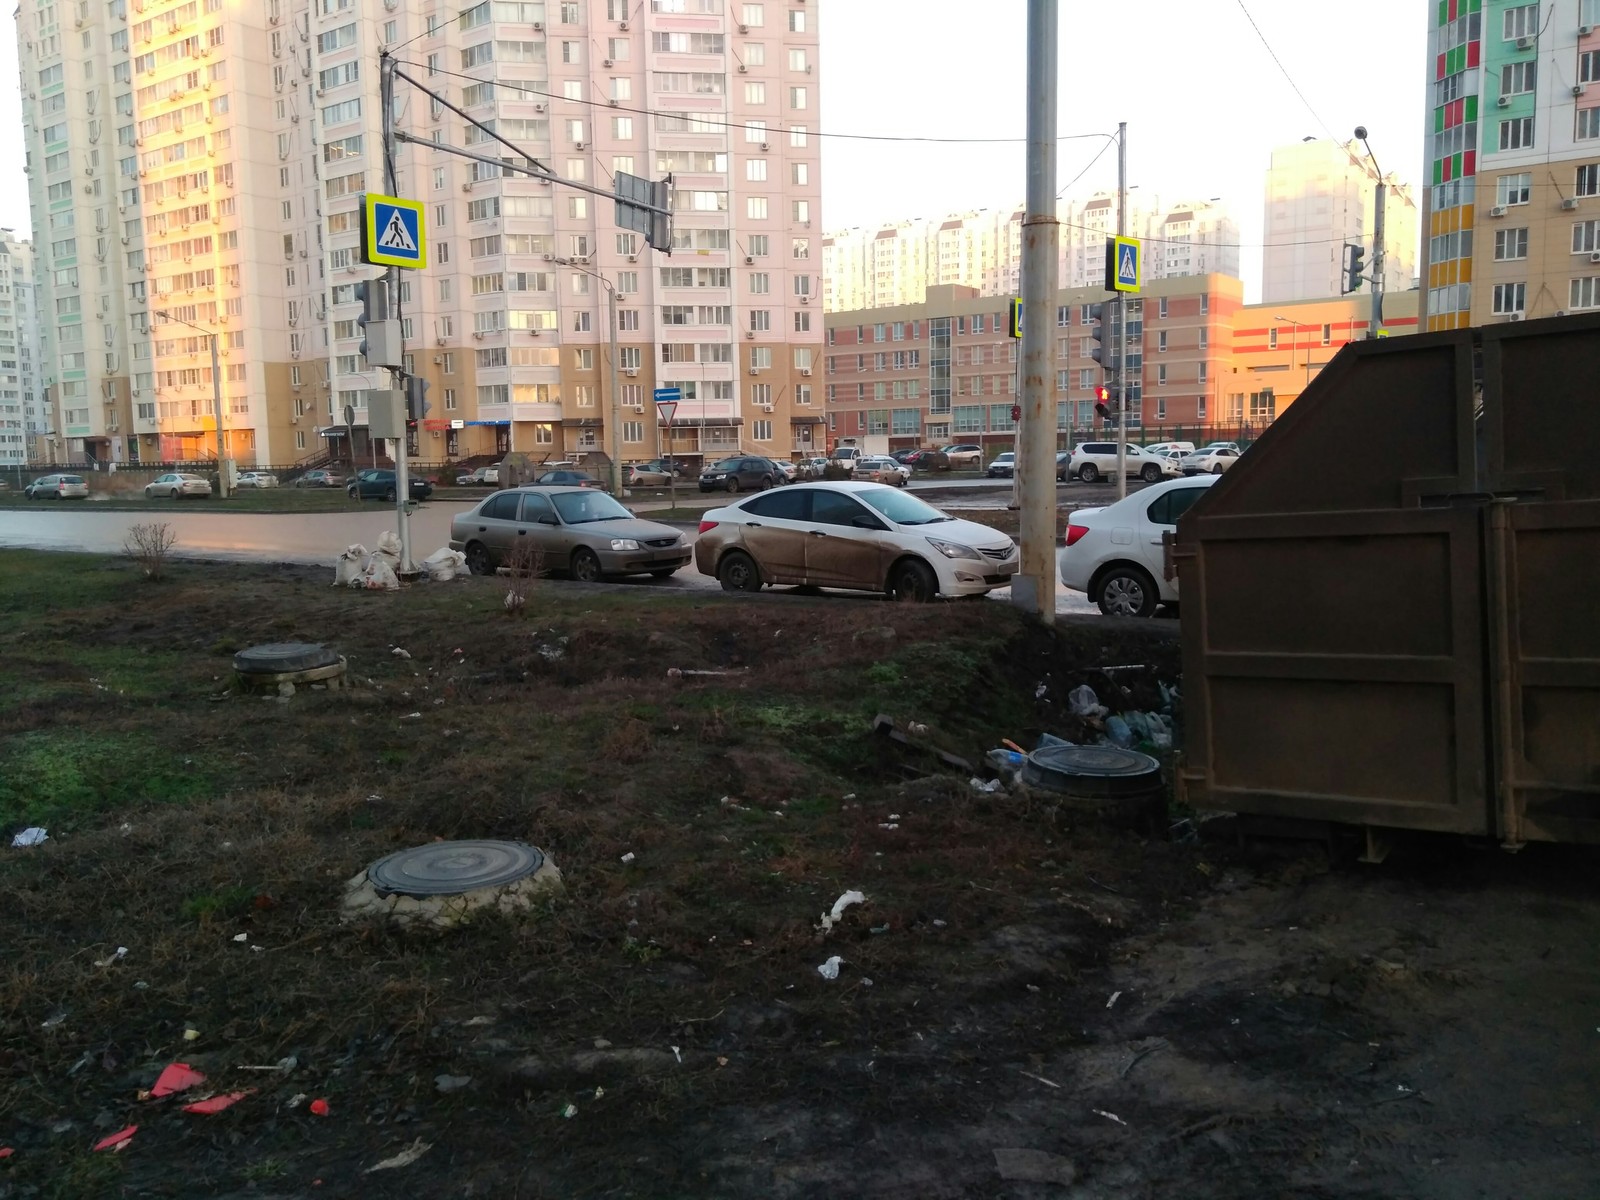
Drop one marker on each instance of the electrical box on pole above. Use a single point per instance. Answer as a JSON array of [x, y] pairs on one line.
[[386, 413]]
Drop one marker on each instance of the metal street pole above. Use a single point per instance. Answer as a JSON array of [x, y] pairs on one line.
[[216, 408], [1034, 588], [1122, 317], [1380, 199], [615, 421], [391, 276]]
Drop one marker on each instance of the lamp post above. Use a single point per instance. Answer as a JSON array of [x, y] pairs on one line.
[[216, 395], [614, 421], [1379, 203], [1298, 327]]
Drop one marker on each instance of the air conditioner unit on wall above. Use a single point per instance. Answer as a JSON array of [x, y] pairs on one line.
[[1569, 204], [1503, 102], [1499, 210], [1525, 43]]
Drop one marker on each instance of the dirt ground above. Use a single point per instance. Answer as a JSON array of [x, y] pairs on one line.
[[1186, 1015]]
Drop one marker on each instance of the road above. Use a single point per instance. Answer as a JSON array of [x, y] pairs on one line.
[[313, 538]]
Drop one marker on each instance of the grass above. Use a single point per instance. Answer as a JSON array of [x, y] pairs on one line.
[[248, 500], [184, 813]]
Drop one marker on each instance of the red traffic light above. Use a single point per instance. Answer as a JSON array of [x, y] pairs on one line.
[[1102, 394], [1016, 412]]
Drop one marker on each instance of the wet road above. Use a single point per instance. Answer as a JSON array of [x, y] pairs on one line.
[[310, 538]]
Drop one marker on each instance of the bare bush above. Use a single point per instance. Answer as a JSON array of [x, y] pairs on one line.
[[150, 546], [524, 564]]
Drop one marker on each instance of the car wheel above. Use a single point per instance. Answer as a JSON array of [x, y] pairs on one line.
[[737, 572], [913, 580], [664, 573], [732, 485], [766, 482], [1089, 473], [389, 495], [585, 566], [1128, 591], [1150, 473], [1217, 470], [176, 492], [479, 561]]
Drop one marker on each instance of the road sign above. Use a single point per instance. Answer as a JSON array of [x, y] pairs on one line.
[[1123, 264], [642, 205], [666, 410], [393, 233], [1016, 318]]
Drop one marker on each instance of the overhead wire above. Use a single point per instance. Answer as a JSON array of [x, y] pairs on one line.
[[1290, 78]]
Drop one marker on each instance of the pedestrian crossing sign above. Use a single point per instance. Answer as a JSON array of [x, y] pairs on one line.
[[1122, 264], [392, 232]]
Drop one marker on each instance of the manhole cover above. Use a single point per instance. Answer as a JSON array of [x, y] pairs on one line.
[[451, 868], [1093, 770], [277, 658]]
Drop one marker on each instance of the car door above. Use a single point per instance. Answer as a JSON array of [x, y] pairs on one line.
[[775, 529], [1160, 516], [494, 524], [537, 523], [840, 552]]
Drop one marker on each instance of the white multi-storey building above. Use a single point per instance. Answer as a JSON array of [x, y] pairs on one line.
[[24, 421], [205, 161]]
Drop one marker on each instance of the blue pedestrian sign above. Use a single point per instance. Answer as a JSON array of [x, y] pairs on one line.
[[392, 232], [1122, 264]]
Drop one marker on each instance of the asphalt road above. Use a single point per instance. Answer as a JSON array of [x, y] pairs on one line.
[[314, 538]]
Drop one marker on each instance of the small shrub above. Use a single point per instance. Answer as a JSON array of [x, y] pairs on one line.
[[524, 564], [150, 546]]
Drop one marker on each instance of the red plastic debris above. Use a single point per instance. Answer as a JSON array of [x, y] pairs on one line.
[[176, 1078], [216, 1104], [6, 1151], [119, 1140], [319, 1108]]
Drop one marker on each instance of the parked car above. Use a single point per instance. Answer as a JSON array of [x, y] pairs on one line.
[[1092, 461], [379, 484], [878, 468], [1114, 554], [742, 472], [565, 477], [1209, 460], [575, 529], [845, 456], [176, 484], [927, 460], [812, 468], [487, 476], [900, 456], [1063, 465], [649, 475], [321, 477], [863, 536], [256, 479], [963, 455], [1003, 466], [787, 471], [58, 487], [1163, 448]]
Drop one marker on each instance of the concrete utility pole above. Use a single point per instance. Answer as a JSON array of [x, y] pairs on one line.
[[1034, 589], [391, 277], [1380, 196], [1121, 318], [216, 398]]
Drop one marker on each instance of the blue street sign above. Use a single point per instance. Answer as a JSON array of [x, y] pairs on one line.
[[668, 395], [1122, 264], [392, 232]]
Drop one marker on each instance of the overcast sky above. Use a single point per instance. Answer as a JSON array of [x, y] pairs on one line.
[[1203, 100]]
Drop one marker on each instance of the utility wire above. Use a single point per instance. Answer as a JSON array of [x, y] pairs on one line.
[[1286, 74], [1111, 140]]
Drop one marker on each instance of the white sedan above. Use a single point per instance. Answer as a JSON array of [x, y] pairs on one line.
[[880, 468], [864, 536], [1114, 554], [1210, 460], [256, 479], [175, 484]]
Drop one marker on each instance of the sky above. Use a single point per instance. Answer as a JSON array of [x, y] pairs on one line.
[[1204, 102]]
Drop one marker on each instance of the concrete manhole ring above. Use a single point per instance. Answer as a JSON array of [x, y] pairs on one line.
[[442, 882], [280, 658]]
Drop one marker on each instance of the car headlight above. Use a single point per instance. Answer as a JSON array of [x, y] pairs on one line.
[[624, 544], [954, 549]]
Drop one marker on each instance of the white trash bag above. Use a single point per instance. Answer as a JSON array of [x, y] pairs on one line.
[[347, 567], [445, 564], [377, 575], [389, 548]]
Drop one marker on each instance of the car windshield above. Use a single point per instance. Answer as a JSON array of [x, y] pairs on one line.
[[580, 508], [901, 508]]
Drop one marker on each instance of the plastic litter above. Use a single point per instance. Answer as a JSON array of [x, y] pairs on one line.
[[347, 567], [117, 1141], [570, 1111], [389, 547], [31, 836], [121, 953], [174, 1078], [216, 1104], [445, 564], [191, 1035], [1115, 996], [628, 857], [830, 969], [6, 1151], [399, 652], [377, 574], [829, 919], [451, 1083], [985, 786], [1110, 1116], [1119, 733], [1084, 703], [1050, 739], [319, 1108], [404, 1159]]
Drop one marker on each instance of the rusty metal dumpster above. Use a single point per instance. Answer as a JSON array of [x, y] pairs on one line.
[[1391, 604]]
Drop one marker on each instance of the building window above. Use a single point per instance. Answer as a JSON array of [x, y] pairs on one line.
[[1162, 311], [1327, 335], [1272, 338], [763, 431], [1517, 78], [1509, 297], [1516, 134], [1513, 243], [1520, 22], [1585, 293], [1205, 303], [1513, 189], [1161, 375], [1588, 124], [1588, 180], [1161, 341]]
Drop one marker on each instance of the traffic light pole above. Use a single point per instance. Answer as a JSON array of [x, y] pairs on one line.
[[391, 278], [1034, 588], [1121, 318], [1380, 197]]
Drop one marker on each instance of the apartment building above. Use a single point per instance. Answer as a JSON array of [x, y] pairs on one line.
[[894, 265], [1513, 135], [202, 163], [1319, 198], [24, 421], [946, 369]]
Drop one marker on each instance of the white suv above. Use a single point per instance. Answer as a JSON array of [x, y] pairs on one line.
[[1093, 461]]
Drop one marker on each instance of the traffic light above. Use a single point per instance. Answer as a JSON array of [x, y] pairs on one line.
[[1098, 353], [1102, 403], [380, 334], [1355, 262], [417, 405]]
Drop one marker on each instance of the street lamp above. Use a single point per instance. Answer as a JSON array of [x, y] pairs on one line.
[[1298, 327], [1379, 203], [614, 421], [216, 395]]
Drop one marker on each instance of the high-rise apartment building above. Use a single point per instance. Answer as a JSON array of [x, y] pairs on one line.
[[1513, 210], [24, 420], [896, 264], [201, 162], [1320, 196]]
